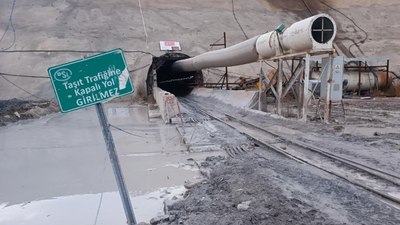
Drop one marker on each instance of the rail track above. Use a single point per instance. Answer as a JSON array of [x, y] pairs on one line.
[[382, 183]]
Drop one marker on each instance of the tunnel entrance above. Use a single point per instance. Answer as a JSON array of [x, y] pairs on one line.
[[177, 83]]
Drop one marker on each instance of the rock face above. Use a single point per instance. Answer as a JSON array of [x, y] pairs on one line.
[[94, 26]]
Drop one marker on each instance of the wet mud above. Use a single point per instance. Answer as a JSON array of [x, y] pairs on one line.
[[14, 110], [253, 189], [260, 187]]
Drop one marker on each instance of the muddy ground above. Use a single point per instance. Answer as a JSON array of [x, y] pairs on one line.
[[13, 110], [258, 186], [262, 187]]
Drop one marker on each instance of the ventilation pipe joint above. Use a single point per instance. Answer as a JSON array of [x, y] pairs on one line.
[[314, 33]]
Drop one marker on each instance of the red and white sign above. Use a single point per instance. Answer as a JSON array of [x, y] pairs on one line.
[[170, 46]]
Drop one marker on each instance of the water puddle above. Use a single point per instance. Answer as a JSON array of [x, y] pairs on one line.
[[82, 209], [64, 155]]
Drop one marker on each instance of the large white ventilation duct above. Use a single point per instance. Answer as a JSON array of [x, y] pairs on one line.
[[314, 33]]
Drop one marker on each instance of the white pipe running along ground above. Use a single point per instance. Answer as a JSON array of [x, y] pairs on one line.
[[316, 32]]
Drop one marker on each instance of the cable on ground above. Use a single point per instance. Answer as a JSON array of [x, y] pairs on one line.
[[127, 132], [308, 7], [144, 25], [10, 24], [71, 51], [22, 89], [237, 21], [22, 75], [355, 24]]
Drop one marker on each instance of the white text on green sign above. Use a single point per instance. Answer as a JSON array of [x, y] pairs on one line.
[[91, 80]]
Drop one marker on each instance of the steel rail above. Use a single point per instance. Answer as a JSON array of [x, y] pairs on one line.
[[378, 172], [356, 169]]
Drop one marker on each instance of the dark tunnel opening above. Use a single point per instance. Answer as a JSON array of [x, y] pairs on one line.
[[177, 83]]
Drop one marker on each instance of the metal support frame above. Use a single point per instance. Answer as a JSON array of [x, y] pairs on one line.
[[224, 78], [293, 78], [300, 75], [270, 84]]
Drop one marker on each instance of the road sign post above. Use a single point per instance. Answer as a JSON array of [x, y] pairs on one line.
[[115, 164], [90, 81]]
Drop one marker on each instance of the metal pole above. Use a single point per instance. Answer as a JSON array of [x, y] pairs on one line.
[[259, 87], [115, 164], [226, 68], [300, 95], [359, 78], [387, 73], [279, 87], [327, 104], [306, 92]]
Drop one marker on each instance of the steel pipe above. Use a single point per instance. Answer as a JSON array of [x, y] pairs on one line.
[[316, 32], [242, 53], [352, 82], [368, 81]]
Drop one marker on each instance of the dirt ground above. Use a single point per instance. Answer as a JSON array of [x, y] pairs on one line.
[[262, 187], [255, 187], [15, 109]]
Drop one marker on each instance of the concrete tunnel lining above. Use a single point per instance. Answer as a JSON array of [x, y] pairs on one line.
[[179, 83]]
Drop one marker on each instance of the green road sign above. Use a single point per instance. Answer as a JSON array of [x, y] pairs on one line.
[[88, 81]]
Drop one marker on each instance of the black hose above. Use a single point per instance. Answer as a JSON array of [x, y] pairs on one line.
[[355, 24]]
